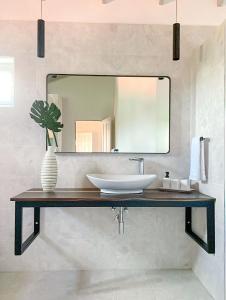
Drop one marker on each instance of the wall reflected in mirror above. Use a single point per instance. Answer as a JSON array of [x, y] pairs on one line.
[[112, 113]]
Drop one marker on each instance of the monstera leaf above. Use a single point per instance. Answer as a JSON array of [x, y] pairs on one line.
[[47, 117]]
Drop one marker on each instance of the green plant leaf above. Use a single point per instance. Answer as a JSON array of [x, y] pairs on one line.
[[46, 115]]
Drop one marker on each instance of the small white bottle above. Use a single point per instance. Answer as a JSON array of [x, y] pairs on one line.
[[166, 182], [185, 184], [175, 184]]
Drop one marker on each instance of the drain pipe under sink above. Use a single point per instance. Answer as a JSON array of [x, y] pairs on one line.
[[120, 218]]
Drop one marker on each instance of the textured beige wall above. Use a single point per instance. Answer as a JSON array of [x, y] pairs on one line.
[[209, 121], [87, 238]]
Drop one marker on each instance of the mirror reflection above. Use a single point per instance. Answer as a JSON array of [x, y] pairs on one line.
[[112, 114]]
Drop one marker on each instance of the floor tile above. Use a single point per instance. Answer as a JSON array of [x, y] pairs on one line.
[[102, 285]]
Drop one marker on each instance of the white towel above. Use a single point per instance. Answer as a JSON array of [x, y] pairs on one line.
[[197, 165], [202, 161]]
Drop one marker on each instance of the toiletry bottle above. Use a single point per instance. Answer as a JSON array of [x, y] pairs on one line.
[[185, 184], [166, 182], [175, 184]]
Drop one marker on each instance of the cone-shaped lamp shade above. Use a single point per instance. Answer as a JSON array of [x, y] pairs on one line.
[[176, 41], [41, 38]]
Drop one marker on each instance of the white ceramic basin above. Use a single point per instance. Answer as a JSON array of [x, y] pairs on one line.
[[121, 184]]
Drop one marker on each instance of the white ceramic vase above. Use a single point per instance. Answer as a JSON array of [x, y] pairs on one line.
[[49, 170]]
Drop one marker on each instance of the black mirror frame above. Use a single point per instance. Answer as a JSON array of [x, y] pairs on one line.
[[117, 75]]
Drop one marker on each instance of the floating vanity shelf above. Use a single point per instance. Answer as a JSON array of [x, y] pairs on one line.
[[36, 198]]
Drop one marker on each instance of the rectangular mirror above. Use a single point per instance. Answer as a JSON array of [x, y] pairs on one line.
[[125, 114]]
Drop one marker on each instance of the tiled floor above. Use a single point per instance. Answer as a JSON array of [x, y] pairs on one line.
[[102, 285]]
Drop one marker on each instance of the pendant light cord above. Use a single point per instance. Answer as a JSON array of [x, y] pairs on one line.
[[176, 11], [41, 8]]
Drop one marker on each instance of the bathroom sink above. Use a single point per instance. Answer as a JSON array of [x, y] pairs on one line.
[[121, 184]]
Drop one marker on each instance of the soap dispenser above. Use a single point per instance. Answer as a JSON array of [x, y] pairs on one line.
[[166, 182]]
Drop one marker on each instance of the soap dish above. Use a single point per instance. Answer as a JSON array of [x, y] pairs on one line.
[[189, 191]]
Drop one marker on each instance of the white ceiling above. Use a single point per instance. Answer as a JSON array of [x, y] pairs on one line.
[[191, 12]]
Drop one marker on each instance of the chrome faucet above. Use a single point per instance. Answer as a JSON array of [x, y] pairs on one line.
[[141, 164]]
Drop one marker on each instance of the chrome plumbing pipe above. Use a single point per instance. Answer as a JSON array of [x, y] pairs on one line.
[[121, 221], [120, 218]]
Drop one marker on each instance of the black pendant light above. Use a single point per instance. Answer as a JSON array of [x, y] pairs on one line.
[[41, 36], [176, 38]]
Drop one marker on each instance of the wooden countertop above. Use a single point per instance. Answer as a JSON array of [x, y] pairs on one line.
[[93, 197]]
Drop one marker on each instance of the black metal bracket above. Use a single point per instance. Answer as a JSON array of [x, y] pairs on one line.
[[208, 246], [21, 246]]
